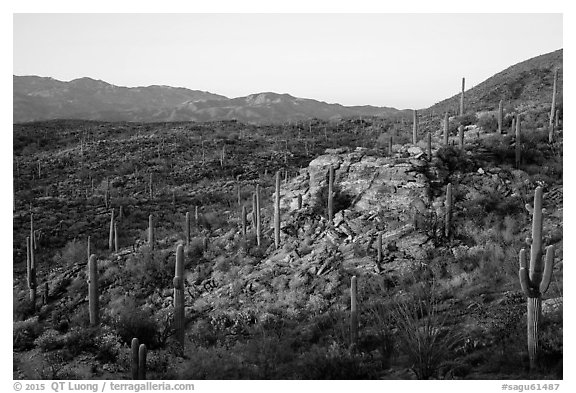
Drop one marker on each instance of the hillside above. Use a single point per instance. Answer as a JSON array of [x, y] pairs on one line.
[[336, 249], [37, 98], [528, 83]]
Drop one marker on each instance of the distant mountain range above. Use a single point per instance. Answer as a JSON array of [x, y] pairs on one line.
[[40, 98]]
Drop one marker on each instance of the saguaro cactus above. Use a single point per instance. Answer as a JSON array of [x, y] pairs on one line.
[[353, 313], [243, 215], [142, 352], [462, 97], [187, 228], [258, 218], [446, 123], [429, 150], [111, 234], [448, 216], [116, 238], [277, 212], [32, 269], [535, 276], [88, 247], [518, 142], [151, 232], [178, 282], [134, 357], [330, 193], [379, 247], [93, 291], [390, 144], [461, 136], [414, 126], [554, 89], [299, 201], [500, 116], [150, 189]]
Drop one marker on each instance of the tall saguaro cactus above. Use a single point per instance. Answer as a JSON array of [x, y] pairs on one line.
[[178, 282], [111, 234], [151, 232], [461, 136], [93, 291], [554, 90], [330, 193], [187, 229], [448, 216], [462, 97], [258, 218], [500, 116], [535, 275], [429, 149], [277, 212], [353, 313], [414, 126], [243, 215], [32, 269], [134, 346], [518, 142], [379, 247], [446, 123], [142, 352]]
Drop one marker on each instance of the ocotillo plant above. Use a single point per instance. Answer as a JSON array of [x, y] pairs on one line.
[[151, 232], [258, 218], [461, 136], [93, 291], [187, 228], [353, 313], [134, 346], [535, 276], [448, 216], [330, 193], [446, 123], [500, 117], [111, 234], [277, 212], [142, 352], [414, 126], [518, 142], [554, 89], [178, 282], [462, 97], [429, 150]]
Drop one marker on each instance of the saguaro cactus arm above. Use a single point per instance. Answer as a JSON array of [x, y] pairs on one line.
[[548, 265]]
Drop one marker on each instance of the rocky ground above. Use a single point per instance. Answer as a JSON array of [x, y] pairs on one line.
[[260, 312]]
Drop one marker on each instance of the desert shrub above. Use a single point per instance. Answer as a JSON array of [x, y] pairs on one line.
[[50, 340], [73, 253], [466, 119], [22, 307], [149, 269], [488, 123], [132, 322], [24, 333], [453, 159]]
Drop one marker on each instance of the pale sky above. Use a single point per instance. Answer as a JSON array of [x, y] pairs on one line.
[[398, 60]]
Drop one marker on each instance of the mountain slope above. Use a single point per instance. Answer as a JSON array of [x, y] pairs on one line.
[[37, 98], [529, 82]]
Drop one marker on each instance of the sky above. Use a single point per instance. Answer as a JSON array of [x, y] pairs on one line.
[[396, 60]]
